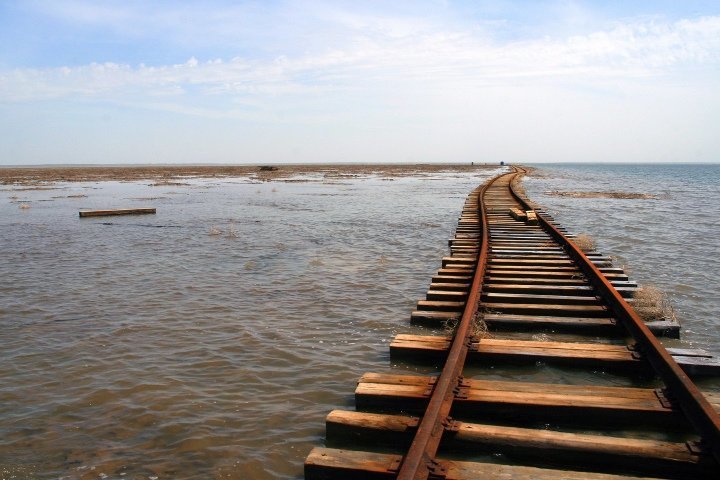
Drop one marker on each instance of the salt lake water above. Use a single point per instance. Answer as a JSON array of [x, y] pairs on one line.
[[211, 339], [671, 241]]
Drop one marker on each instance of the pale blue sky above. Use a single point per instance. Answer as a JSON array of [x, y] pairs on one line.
[[314, 81]]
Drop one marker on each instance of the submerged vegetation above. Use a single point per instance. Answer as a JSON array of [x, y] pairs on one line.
[[652, 304], [232, 231], [478, 327], [620, 195], [169, 175], [585, 242]]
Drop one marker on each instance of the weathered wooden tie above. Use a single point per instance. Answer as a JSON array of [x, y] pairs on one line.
[[514, 270], [695, 361]]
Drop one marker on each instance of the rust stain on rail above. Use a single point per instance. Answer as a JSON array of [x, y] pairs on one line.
[[511, 260]]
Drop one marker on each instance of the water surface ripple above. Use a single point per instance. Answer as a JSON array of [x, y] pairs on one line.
[[209, 340], [670, 241]]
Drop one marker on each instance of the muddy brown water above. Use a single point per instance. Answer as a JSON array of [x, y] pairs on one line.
[[210, 340]]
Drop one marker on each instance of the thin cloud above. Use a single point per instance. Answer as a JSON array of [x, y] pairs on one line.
[[635, 49], [349, 84]]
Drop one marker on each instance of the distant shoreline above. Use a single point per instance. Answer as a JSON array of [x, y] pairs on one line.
[[96, 173]]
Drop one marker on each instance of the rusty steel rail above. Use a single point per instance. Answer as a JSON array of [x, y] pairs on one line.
[[419, 463], [681, 390], [489, 213]]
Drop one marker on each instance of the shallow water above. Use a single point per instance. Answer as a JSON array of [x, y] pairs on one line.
[[671, 242], [211, 340]]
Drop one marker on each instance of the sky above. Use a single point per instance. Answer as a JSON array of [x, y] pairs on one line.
[[122, 82]]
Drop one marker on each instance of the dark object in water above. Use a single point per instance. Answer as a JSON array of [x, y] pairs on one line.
[[267, 168], [117, 211]]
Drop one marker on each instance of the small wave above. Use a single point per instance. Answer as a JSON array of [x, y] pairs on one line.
[[620, 195]]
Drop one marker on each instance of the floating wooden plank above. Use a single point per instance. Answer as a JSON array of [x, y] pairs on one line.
[[330, 464], [117, 211]]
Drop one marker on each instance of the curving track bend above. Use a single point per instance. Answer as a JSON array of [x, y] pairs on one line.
[[514, 273]]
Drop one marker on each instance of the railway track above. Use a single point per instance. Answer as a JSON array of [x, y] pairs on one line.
[[517, 300]]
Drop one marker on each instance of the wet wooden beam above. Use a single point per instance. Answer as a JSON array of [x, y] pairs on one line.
[[331, 464], [116, 211], [695, 361], [602, 453], [583, 404]]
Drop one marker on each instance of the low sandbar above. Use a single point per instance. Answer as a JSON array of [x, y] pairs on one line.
[[174, 174]]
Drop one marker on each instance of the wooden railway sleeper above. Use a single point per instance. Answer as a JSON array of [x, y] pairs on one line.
[[420, 460], [427, 439], [394, 466], [690, 400]]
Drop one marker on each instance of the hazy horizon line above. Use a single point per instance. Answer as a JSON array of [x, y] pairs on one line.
[[369, 163]]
